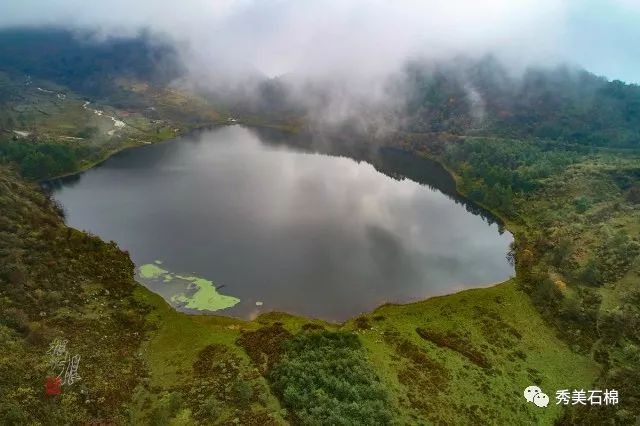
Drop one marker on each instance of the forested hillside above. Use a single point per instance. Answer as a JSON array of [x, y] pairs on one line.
[[485, 98]]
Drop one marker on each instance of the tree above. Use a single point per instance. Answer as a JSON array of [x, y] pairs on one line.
[[590, 273], [582, 204], [634, 194]]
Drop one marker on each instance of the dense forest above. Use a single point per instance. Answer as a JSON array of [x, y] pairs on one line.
[[40, 160], [484, 98]]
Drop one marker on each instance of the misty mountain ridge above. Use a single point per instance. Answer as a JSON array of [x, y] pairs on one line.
[[560, 103], [481, 97], [464, 95], [83, 62]]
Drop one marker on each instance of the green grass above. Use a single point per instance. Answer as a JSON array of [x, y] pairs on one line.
[[426, 382], [178, 337], [176, 341], [501, 323]]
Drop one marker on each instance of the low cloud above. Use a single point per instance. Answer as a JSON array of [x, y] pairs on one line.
[[317, 38], [352, 49], [360, 37]]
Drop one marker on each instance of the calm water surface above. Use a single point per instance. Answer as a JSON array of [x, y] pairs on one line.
[[302, 232]]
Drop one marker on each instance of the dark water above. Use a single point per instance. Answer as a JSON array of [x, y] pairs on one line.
[[306, 233]]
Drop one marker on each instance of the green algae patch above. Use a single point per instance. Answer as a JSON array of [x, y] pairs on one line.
[[151, 271], [206, 297], [185, 292]]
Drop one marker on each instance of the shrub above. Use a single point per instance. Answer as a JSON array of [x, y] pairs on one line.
[[633, 195], [323, 378], [582, 204], [590, 273], [243, 391]]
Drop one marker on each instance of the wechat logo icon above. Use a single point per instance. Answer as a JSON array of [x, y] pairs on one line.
[[535, 395]]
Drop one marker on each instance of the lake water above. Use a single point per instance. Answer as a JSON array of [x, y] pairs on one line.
[[236, 222]]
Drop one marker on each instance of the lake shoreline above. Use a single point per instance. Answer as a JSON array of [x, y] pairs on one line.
[[125, 147], [505, 224]]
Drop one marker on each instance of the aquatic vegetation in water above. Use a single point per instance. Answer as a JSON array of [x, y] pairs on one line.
[[151, 271], [189, 292]]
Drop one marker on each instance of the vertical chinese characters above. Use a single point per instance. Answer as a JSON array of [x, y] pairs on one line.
[[63, 365]]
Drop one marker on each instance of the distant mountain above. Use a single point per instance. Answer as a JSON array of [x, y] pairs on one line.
[[476, 97], [84, 63], [482, 97], [462, 96]]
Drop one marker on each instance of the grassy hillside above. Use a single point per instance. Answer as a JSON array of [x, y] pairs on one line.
[[60, 131], [56, 282], [67, 104], [464, 358], [575, 216]]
